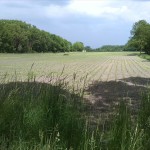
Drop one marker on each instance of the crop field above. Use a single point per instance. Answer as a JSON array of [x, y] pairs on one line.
[[107, 75], [97, 66]]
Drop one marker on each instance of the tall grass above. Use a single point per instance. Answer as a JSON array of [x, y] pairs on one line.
[[145, 56], [40, 116], [33, 112]]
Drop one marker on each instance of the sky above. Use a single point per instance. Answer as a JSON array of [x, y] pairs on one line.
[[93, 22]]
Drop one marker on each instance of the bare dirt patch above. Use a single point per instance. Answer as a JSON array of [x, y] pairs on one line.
[[125, 78]]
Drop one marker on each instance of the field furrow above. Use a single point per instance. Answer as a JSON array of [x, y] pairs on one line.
[[96, 66]]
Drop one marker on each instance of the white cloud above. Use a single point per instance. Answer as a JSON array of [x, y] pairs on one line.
[[105, 21], [126, 10]]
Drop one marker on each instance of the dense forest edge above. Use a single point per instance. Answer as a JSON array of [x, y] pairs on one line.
[[20, 37]]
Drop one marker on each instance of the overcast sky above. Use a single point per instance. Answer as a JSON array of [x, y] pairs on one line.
[[93, 22]]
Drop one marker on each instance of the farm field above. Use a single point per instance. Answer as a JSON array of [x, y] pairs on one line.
[[109, 76], [103, 66], [99, 67]]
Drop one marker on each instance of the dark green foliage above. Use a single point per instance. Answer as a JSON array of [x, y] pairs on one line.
[[88, 49], [121, 129], [110, 48], [144, 119], [20, 37], [140, 37], [28, 109]]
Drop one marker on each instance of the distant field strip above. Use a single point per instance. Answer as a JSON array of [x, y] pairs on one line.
[[97, 66]]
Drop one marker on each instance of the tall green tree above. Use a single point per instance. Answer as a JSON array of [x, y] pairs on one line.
[[78, 46], [140, 36]]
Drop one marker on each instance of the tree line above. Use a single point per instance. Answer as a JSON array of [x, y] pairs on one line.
[[139, 40], [140, 37], [19, 37], [110, 48]]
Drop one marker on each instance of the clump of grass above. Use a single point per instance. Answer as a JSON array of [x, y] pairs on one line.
[[125, 132], [31, 109], [144, 119], [145, 56]]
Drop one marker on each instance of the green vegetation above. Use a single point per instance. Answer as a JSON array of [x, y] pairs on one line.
[[39, 115], [111, 48], [88, 49], [20, 37], [140, 37], [139, 40], [78, 46], [46, 116], [54, 115], [48, 100], [145, 56]]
